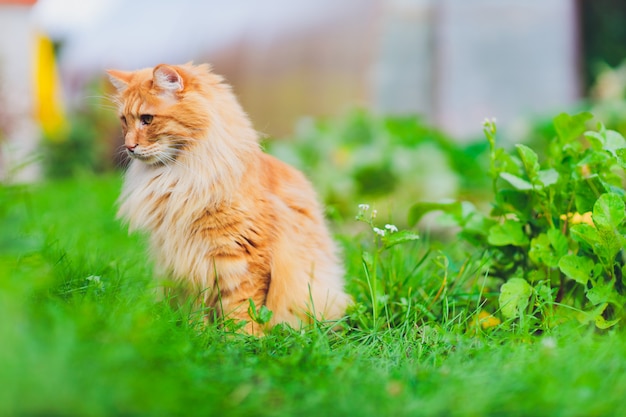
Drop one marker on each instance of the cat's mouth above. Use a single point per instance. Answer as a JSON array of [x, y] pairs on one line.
[[151, 157], [148, 158], [135, 153]]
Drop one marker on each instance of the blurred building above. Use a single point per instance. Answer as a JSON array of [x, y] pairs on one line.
[[506, 59], [453, 61], [19, 133]]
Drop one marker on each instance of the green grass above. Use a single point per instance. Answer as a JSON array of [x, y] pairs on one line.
[[82, 335]]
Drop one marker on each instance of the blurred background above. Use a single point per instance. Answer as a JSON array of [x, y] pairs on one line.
[[382, 93]]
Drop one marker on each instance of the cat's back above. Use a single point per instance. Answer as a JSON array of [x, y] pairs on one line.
[[290, 186]]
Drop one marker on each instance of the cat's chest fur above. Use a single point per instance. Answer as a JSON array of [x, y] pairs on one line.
[[196, 232]]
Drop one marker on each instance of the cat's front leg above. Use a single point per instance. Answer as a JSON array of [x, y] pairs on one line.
[[234, 302]]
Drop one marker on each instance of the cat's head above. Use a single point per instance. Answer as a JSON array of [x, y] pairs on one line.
[[163, 110]]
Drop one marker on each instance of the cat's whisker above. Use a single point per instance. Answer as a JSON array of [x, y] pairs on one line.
[[102, 101], [121, 149], [108, 107], [166, 159], [112, 100], [103, 98], [169, 158]]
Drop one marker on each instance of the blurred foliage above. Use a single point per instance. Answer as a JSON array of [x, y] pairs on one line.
[[90, 143], [78, 151], [606, 101], [388, 161], [607, 98], [603, 36]]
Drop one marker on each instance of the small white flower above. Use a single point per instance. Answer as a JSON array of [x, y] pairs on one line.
[[95, 282], [488, 121], [392, 228], [93, 278], [549, 343], [489, 126], [364, 207], [374, 213], [378, 231]]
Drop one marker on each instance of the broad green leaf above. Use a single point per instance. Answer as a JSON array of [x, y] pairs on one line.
[[578, 268], [508, 233], [506, 162], [541, 252], [586, 192], [569, 128], [605, 243], [417, 211], [614, 141], [476, 227], [608, 211], [595, 139], [262, 315], [608, 215], [514, 297], [594, 160], [585, 233], [605, 292], [605, 240], [511, 201], [392, 239], [609, 140], [559, 242], [621, 157], [546, 292], [611, 242], [548, 177], [548, 248], [537, 275], [597, 269], [517, 182], [529, 159]]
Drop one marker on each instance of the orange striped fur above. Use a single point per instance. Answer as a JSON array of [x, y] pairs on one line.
[[227, 222]]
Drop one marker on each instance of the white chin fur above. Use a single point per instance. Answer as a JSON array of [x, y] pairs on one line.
[[152, 156]]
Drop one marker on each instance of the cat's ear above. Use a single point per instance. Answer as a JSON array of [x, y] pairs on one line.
[[166, 78], [119, 79]]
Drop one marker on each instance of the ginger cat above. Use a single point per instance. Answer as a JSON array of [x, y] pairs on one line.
[[226, 221]]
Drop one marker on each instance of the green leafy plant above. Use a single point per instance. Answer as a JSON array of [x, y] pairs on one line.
[[556, 231], [378, 291], [404, 282], [377, 159], [261, 315], [91, 144]]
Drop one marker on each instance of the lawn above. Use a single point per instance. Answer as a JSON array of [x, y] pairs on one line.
[[82, 335], [515, 312]]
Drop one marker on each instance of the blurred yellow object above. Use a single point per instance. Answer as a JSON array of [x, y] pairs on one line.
[[49, 110], [485, 320], [577, 218]]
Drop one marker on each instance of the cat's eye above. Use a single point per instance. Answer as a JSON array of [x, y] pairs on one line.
[[146, 119], [123, 119]]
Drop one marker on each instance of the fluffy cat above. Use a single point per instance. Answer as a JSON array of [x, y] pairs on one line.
[[227, 222]]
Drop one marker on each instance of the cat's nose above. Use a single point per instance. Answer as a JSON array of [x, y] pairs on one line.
[[131, 148]]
